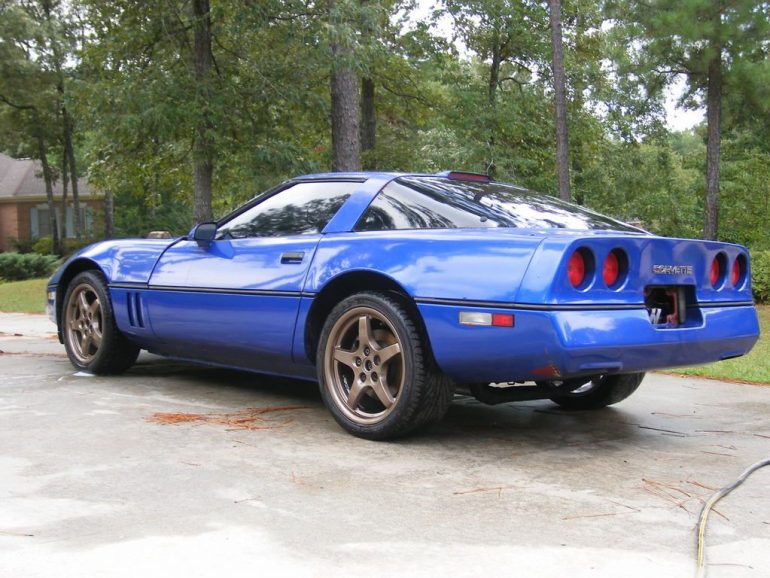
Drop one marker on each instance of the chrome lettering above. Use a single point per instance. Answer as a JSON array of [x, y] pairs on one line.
[[672, 269]]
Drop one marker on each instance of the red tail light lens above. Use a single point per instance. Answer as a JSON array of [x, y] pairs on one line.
[[718, 266], [735, 274], [714, 272], [576, 269], [611, 269]]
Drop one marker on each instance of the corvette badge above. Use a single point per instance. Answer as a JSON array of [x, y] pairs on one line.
[[672, 269]]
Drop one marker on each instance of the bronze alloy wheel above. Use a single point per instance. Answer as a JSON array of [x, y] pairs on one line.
[[364, 365], [83, 323]]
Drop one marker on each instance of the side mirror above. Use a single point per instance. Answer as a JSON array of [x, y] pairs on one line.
[[203, 233]]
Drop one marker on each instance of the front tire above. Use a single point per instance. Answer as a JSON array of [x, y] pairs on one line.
[[601, 391], [375, 370], [91, 337]]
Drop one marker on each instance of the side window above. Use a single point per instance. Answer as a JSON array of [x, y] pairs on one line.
[[303, 209], [401, 207]]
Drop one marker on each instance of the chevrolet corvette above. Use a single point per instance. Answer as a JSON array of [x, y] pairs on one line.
[[394, 291]]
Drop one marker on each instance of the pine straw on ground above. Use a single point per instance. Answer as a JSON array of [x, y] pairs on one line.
[[254, 418]]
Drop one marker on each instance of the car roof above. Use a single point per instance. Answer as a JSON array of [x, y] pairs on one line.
[[347, 176], [366, 175]]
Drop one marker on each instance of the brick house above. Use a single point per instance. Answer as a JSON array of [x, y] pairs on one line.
[[23, 205]]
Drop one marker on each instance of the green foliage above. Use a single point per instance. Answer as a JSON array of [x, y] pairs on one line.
[[760, 275], [44, 245], [680, 38], [20, 266], [745, 184], [24, 245], [475, 97], [654, 182]]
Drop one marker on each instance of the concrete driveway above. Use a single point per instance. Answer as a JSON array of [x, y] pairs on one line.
[[175, 470]]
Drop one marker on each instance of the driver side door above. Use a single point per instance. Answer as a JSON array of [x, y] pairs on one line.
[[234, 300]]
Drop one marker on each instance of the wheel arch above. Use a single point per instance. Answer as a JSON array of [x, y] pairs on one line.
[[348, 284], [74, 268]]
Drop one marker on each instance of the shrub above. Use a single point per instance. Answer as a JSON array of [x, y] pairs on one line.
[[72, 245], [23, 245], [760, 275], [20, 266], [43, 246]]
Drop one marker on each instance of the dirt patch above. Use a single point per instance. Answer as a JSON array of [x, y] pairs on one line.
[[254, 418]]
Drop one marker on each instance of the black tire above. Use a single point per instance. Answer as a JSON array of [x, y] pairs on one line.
[[601, 391], [91, 337], [374, 388]]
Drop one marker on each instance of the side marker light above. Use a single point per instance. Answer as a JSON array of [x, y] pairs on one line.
[[481, 319]]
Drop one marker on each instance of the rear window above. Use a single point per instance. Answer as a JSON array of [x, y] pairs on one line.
[[441, 203]]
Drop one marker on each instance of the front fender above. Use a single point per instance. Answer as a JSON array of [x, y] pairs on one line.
[[124, 260], [120, 261]]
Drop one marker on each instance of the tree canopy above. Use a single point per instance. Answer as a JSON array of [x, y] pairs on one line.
[[182, 109]]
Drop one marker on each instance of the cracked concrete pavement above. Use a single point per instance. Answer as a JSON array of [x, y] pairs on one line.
[[173, 470]]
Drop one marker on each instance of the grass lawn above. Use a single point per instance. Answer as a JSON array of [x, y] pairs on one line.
[[23, 296], [754, 367]]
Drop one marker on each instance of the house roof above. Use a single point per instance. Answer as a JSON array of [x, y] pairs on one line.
[[22, 179]]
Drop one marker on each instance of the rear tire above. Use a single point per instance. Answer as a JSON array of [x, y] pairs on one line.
[[601, 391], [375, 370], [91, 337]]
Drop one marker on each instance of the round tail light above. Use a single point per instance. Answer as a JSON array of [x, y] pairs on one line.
[[717, 270], [738, 270], [576, 269], [611, 269]]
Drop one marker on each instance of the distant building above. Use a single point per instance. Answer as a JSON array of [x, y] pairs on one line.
[[23, 204]]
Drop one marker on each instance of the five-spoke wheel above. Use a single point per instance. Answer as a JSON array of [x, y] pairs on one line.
[[91, 337], [83, 323], [375, 371], [364, 364]]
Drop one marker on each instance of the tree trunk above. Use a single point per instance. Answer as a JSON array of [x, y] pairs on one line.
[[346, 148], [69, 150], [67, 124], [109, 223], [494, 83], [64, 186], [48, 179], [494, 72], [560, 101], [203, 144], [368, 120], [346, 144], [713, 145]]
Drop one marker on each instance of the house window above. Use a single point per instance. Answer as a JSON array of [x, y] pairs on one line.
[[40, 225]]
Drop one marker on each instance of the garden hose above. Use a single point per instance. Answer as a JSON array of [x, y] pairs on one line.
[[710, 503]]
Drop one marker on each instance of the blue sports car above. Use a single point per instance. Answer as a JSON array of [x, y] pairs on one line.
[[396, 290]]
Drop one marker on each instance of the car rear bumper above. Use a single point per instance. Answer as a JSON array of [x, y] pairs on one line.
[[552, 344]]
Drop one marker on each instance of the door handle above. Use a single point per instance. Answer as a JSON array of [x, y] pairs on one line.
[[292, 257]]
